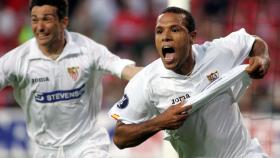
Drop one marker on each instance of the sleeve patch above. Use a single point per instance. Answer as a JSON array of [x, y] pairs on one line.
[[115, 116], [123, 102]]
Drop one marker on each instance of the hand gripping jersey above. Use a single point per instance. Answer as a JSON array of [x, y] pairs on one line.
[[60, 98], [214, 128]]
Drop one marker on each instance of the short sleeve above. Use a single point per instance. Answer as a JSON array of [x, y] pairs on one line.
[[239, 43], [134, 107], [109, 62], [7, 70]]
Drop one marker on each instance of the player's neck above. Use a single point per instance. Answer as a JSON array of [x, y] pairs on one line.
[[188, 67], [53, 51]]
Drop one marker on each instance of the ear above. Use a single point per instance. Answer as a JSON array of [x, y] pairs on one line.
[[65, 22], [193, 36]]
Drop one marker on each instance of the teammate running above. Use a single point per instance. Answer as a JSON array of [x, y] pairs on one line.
[[56, 78]]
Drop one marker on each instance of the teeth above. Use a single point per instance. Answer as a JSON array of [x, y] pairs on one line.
[[166, 47], [42, 35]]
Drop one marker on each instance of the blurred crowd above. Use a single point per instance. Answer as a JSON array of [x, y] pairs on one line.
[[126, 27]]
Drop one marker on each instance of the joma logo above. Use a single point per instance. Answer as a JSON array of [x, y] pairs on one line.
[[41, 79], [180, 99]]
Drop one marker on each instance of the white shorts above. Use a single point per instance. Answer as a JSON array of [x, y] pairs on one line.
[[95, 145]]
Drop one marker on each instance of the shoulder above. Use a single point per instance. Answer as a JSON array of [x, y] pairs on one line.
[[235, 38], [87, 45], [239, 38], [140, 87], [240, 32], [147, 75], [21, 52], [16, 60], [151, 71], [82, 40]]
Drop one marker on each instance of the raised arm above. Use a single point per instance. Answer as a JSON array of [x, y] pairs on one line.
[[130, 135], [129, 71], [259, 59]]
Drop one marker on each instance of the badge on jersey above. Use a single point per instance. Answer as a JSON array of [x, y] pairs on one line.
[[123, 102], [213, 76], [115, 116], [73, 72]]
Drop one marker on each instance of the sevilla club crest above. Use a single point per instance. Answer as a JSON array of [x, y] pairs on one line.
[[73, 72]]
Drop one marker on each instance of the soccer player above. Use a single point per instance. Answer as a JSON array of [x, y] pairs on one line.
[[154, 98], [56, 78]]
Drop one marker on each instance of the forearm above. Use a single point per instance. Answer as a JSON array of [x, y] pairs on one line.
[[129, 71], [260, 49], [130, 135]]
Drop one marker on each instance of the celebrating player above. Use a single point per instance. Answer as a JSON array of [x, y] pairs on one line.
[[56, 78], [153, 99]]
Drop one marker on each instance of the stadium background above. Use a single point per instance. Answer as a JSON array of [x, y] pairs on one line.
[[126, 27]]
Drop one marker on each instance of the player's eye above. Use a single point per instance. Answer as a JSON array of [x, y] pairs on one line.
[[34, 20], [175, 29], [48, 19], [158, 31]]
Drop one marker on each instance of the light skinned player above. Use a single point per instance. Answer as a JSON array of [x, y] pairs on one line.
[[56, 78], [153, 99]]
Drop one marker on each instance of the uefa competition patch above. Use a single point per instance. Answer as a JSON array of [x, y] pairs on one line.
[[60, 95], [123, 102]]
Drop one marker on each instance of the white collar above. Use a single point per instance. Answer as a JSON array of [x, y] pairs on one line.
[[70, 48]]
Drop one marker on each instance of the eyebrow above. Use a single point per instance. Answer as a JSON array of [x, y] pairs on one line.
[[173, 25], [44, 15]]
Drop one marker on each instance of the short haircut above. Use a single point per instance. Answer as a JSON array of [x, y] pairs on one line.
[[188, 20], [61, 5]]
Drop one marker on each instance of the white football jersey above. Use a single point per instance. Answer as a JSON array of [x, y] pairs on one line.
[[214, 130], [60, 98]]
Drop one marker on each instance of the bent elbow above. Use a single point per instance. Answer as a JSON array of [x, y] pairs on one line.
[[118, 143]]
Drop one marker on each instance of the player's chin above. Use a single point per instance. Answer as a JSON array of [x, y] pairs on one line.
[[170, 67], [43, 40]]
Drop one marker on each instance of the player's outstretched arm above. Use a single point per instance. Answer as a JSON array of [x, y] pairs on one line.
[[130, 135], [259, 59], [129, 71]]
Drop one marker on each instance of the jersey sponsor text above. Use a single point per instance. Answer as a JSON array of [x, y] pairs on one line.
[[61, 95]]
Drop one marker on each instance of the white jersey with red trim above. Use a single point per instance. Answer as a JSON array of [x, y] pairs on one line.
[[215, 129], [60, 98]]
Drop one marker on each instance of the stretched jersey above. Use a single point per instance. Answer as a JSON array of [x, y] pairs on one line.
[[60, 98], [214, 130], [234, 82]]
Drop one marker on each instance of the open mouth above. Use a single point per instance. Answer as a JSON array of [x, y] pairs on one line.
[[167, 50], [43, 36], [169, 55]]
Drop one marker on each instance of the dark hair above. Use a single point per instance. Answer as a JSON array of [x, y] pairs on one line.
[[61, 5], [188, 19]]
